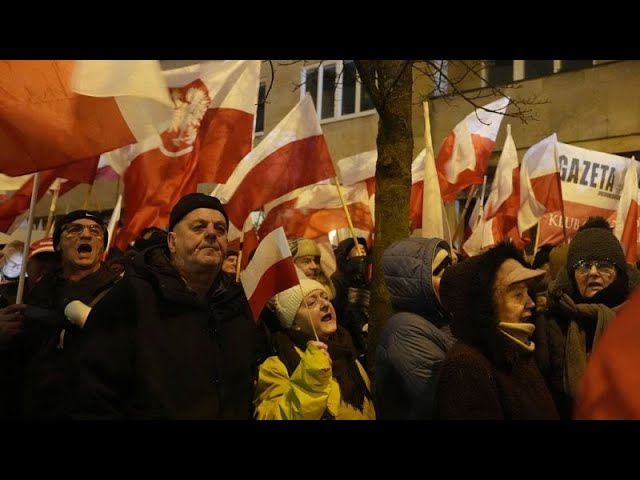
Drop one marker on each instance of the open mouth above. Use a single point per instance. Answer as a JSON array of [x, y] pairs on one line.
[[85, 249], [594, 285], [327, 318]]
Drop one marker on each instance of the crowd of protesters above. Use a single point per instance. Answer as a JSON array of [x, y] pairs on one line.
[[165, 331]]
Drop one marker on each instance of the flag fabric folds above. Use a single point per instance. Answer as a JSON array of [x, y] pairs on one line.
[[56, 112], [539, 183], [271, 271], [292, 155], [626, 229], [208, 136], [314, 211], [463, 157]]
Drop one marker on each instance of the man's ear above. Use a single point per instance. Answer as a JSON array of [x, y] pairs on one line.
[[171, 242]]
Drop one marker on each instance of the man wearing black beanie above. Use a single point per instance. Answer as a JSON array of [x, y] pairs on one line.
[[51, 336], [175, 338], [582, 301]]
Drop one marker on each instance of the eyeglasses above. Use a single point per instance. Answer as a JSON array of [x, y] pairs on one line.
[[605, 268], [75, 229]]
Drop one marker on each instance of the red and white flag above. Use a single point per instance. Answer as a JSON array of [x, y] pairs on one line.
[[314, 211], [292, 155], [360, 168], [247, 240], [271, 271], [17, 203], [463, 157], [626, 229], [500, 218], [211, 130], [539, 183], [55, 112]]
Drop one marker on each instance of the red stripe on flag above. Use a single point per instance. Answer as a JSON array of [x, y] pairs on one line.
[[415, 206], [313, 223], [277, 278], [482, 147], [45, 125], [153, 185], [273, 177], [227, 136]]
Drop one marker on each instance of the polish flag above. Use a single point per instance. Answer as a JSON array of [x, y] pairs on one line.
[[56, 112], [438, 225], [246, 240], [539, 183], [626, 229], [293, 155], [464, 155], [314, 211], [211, 130], [434, 217], [13, 208], [357, 168], [105, 173], [500, 218], [271, 271], [610, 387]]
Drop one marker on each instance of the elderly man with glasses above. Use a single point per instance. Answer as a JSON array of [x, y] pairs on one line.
[[52, 333], [582, 301]]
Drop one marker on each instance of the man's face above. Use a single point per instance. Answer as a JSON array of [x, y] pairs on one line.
[[12, 265], [310, 265], [82, 243], [230, 264], [198, 242]]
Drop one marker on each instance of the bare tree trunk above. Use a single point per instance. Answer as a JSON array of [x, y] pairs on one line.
[[389, 83]]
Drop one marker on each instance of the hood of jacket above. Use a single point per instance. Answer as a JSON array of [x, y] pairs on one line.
[[406, 265]]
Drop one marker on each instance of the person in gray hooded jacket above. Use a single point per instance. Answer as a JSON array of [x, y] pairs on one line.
[[417, 336]]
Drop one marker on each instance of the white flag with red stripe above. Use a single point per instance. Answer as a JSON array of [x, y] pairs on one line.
[[57, 112], [270, 271], [314, 211], [539, 183], [626, 229], [211, 130], [463, 157], [293, 155]]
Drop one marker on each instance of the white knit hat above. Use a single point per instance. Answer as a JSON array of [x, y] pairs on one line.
[[287, 303]]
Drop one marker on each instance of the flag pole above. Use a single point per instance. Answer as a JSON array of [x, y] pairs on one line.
[[27, 242], [304, 300], [564, 223], [481, 209], [239, 261], [52, 208], [346, 212]]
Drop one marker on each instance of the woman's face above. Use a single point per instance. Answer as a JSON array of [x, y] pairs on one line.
[[320, 312]]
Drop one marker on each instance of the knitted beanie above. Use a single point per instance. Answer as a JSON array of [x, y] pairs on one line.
[[78, 215], [595, 244], [193, 201], [287, 303], [304, 246]]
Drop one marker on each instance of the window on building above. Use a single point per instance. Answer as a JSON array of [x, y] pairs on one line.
[[499, 72], [440, 79], [537, 68], [338, 87], [260, 110], [575, 64]]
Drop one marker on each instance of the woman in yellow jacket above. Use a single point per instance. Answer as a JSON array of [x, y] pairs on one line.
[[309, 379]]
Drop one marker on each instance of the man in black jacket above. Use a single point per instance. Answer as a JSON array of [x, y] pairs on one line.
[[175, 338]]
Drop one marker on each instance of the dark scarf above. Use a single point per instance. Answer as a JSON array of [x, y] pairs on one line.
[[353, 389]]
